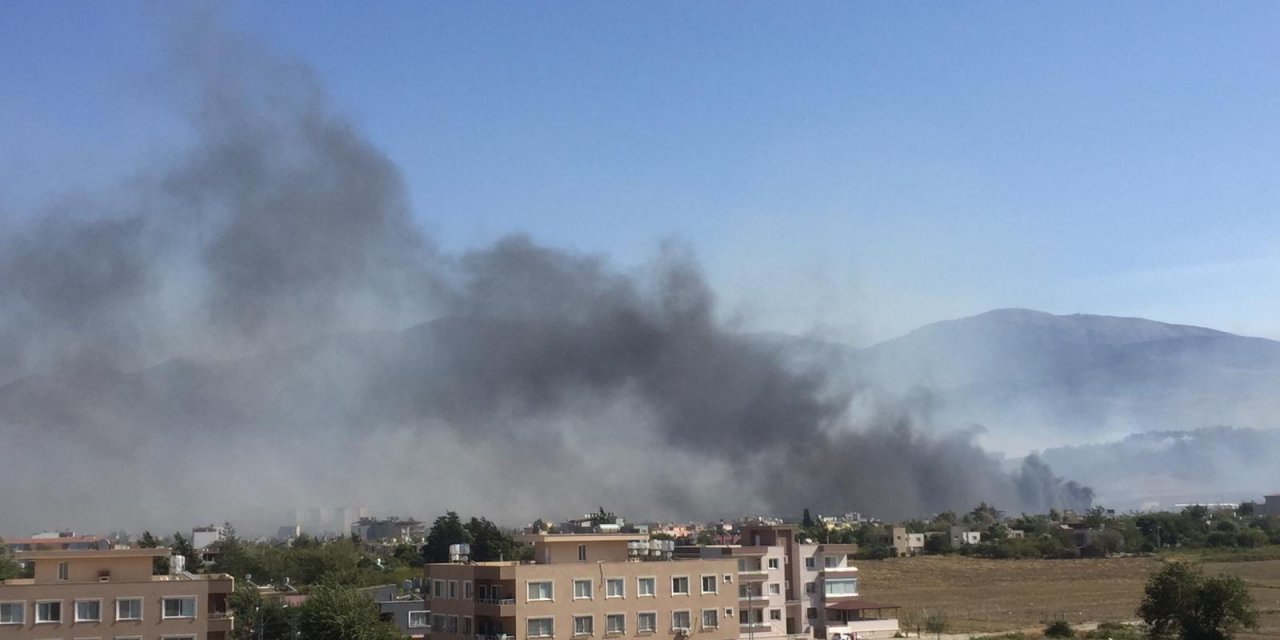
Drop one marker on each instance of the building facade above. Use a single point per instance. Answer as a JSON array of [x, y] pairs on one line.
[[584, 587], [112, 595]]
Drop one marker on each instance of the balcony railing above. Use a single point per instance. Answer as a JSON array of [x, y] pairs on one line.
[[495, 600]]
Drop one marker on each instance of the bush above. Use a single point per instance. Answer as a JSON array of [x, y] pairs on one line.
[[1059, 629]]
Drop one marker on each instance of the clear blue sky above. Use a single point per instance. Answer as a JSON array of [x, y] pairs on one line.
[[854, 169]]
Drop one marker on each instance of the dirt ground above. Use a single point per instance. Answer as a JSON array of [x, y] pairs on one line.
[[978, 595]]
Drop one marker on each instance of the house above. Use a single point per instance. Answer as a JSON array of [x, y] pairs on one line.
[[112, 593], [961, 536], [58, 540], [1270, 505], [392, 528], [905, 543], [403, 608], [611, 585]]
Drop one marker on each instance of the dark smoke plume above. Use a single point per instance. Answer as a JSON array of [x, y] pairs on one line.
[[263, 325]]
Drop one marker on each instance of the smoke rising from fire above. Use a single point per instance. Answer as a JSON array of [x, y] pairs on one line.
[[264, 325]]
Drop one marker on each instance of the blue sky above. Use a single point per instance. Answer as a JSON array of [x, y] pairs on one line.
[[848, 169]]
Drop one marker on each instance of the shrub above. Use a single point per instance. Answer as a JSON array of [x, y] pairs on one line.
[[1059, 629]]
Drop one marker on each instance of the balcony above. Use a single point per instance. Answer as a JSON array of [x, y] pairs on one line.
[[221, 621], [500, 607]]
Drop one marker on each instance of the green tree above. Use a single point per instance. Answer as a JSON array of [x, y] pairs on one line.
[[1059, 629], [807, 520], [706, 537], [182, 547], [1179, 602], [159, 565], [936, 623], [258, 618], [446, 530], [342, 613], [232, 556], [489, 543], [8, 566]]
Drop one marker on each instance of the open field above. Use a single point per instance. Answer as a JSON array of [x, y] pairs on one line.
[[1003, 595], [979, 595]]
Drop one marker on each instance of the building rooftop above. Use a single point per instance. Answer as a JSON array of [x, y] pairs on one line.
[[580, 537], [65, 554]]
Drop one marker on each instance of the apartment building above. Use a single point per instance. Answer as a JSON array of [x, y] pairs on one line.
[[762, 582], [111, 594], [819, 587], [585, 587]]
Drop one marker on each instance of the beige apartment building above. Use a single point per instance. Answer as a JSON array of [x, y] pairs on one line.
[[585, 587], [111, 595]]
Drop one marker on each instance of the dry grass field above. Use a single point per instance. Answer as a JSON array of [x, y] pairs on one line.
[[978, 595]]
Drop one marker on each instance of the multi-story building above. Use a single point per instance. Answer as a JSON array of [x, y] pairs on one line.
[[111, 594], [585, 587], [820, 587], [906, 543], [762, 582]]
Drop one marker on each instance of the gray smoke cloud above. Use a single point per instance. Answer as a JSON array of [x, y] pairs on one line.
[[262, 325]]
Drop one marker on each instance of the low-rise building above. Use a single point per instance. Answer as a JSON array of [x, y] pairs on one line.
[[961, 536], [585, 586], [1270, 505], [906, 543], [112, 593]]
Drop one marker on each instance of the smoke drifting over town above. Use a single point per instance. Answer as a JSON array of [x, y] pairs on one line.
[[262, 324]]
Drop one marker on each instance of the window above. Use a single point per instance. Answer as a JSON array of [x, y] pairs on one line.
[[646, 586], [750, 616], [453, 589], [88, 610], [451, 624], [419, 619], [830, 562], [614, 588], [582, 589], [646, 622], [708, 584], [437, 621], [466, 625], [841, 586], [709, 619], [615, 623], [775, 589], [679, 585], [129, 609], [809, 563], [128, 638], [728, 613], [484, 592], [773, 563], [13, 612], [810, 587], [541, 627], [179, 608], [728, 578], [437, 588], [811, 613], [582, 552], [540, 590], [49, 611], [679, 620], [775, 614], [64, 572], [467, 589], [583, 625]]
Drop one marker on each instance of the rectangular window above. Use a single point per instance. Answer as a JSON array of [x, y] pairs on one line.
[[437, 588], [773, 563], [541, 627], [49, 611], [809, 563], [679, 585], [646, 622], [830, 562], [614, 588], [811, 613], [179, 608], [841, 586], [419, 619], [583, 625], [615, 623], [13, 613], [451, 624], [453, 589], [810, 587], [646, 586], [582, 552], [129, 609], [679, 620], [64, 572], [467, 589], [466, 625], [88, 610], [775, 589], [540, 590], [437, 621], [582, 589], [708, 584], [750, 616], [484, 592], [775, 614], [710, 619]]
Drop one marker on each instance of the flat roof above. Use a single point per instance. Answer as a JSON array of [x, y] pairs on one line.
[[66, 554], [581, 537]]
